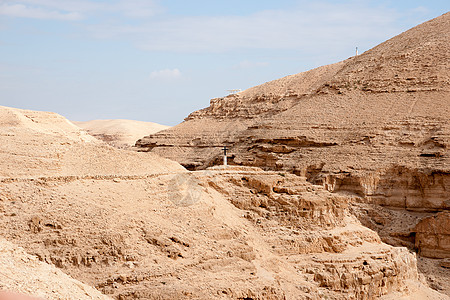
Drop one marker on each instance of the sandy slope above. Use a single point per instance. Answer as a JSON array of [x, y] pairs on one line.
[[24, 273], [46, 144], [119, 132]]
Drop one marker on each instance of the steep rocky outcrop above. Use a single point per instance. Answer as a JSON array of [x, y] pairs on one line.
[[433, 236], [387, 107], [339, 118], [398, 187], [374, 127], [245, 234]]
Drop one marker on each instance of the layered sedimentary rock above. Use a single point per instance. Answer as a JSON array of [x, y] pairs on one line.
[[433, 236], [387, 108], [398, 187], [374, 127], [137, 226], [221, 233]]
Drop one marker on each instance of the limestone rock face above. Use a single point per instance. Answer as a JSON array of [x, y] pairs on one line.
[[433, 236], [374, 127], [354, 125], [247, 233], [399, 187], [24, 273], [388, 106]]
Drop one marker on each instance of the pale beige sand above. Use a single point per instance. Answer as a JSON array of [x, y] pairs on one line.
[[36, 143], [24, 273]]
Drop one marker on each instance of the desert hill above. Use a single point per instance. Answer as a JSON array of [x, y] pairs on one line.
[[375, 126], [119, 132], [394, 98], [137, 226], [47, 144]]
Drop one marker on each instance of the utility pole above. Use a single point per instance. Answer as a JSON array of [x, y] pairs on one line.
[[225, 155]]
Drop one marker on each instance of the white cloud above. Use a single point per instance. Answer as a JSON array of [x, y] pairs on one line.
[[165, 74], [77, 9], [23, 11], [312, 27]]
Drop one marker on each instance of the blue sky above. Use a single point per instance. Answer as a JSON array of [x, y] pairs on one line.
[[158, 61]]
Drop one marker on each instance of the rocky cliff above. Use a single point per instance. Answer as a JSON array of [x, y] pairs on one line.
[[375, 126], [433, 235], [217, 234], [137, 226], [388, 106]]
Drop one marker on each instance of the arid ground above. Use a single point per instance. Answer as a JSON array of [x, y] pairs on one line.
[[337, 188]]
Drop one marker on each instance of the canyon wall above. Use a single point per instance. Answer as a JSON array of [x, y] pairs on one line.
[[374, 127], [433, 236]]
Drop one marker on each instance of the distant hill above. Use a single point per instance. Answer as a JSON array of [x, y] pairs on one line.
[[119, 132], [36, 143]]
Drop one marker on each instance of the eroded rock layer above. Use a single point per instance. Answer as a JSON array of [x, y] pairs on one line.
[[386, 108], [433, 236], [239, 233], [374, 127], [137, 226]]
